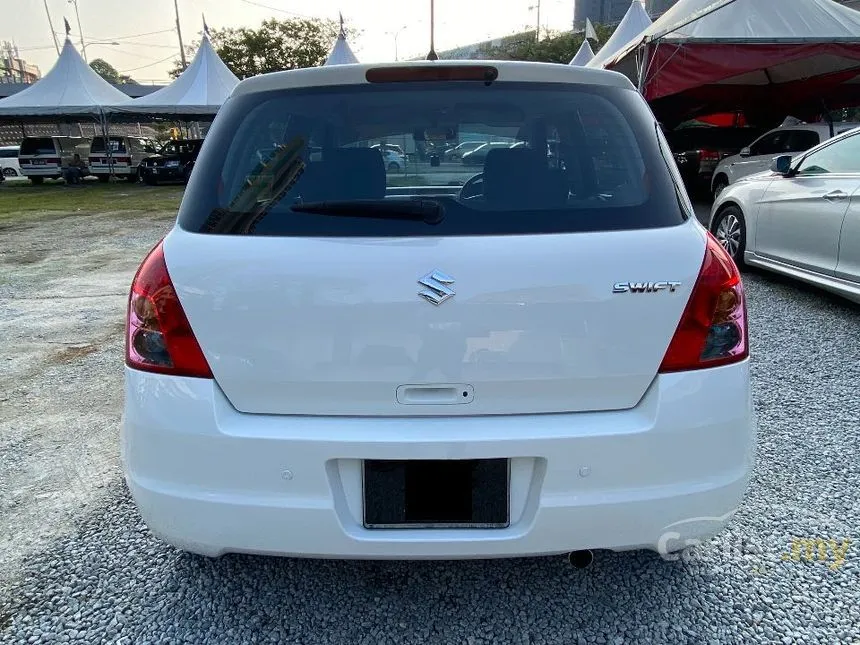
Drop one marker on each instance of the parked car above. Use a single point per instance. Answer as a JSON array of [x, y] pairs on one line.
[[390, 147], [801, 218], [479, 155], [43, 158], [758, 156], [698, 150], [394, 162], [322, 362], [126, 153], [172, 163], [9, 166], [457, 152]]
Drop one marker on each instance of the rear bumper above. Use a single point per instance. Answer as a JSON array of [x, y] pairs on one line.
[[161, 173], [101, 169], [49, 171], [212, 480]]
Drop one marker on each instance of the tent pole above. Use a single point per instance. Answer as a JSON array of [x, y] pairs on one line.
[[643, 69], [106, 137], [828, 117]]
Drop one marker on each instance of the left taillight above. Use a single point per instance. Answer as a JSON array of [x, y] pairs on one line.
[[158, 337]]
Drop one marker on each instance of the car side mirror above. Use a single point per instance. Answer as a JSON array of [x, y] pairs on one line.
[[746, 152], [781, 165]]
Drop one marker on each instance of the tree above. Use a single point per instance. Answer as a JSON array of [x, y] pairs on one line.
[[277, 45], [109, 73], [555, 47]]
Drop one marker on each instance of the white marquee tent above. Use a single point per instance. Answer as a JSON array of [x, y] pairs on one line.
[[341, 54], [635, 22], [718, 49], [584, 55], [71, 88], [199, 91]]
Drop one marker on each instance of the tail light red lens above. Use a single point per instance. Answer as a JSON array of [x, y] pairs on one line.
[[713, 328], [158, 336], [709, 155]]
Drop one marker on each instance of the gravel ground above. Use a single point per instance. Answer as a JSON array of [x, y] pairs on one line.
[[102, 578]]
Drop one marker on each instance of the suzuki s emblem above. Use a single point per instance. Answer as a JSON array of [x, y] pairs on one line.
[[438, 287]]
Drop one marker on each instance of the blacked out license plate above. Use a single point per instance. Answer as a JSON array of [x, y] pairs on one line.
[[468, 493]]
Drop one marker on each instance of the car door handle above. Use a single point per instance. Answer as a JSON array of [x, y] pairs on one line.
[[836, 195]]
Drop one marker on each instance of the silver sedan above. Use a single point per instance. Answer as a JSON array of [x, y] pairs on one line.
[[801, 219]]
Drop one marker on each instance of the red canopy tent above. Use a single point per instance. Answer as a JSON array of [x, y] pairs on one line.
[[763, 57]]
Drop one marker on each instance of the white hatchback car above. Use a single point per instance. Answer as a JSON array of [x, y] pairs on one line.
[[801, 219], [531, 359]]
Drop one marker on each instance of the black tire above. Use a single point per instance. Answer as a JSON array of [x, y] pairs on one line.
[[730, 229], [132, 177], [720, 184], [393, 167], [104, 178], [149, 180], [37, 180], [9, 172]]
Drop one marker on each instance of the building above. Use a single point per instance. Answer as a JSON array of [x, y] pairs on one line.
[[474, 50], [604, 12], [13, 68], [657, 8]]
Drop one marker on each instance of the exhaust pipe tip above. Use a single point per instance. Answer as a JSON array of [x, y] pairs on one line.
[[580, 559]]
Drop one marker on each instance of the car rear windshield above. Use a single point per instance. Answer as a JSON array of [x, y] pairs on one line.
[[117, 144], [38, 146], [565, 158]]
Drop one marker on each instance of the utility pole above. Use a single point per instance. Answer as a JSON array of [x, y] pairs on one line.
[[432, 55], [179, 33], [51, 25], [537, 37], [80, 29]]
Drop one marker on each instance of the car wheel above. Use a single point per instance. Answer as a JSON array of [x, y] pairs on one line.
[[731, 232], [132, 177], [9, 172], [149, 180], [720, 184], [37, 180], [393, 167], [104, 178]]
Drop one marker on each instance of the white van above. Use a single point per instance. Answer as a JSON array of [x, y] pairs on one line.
[[126, 153], [43, 158]]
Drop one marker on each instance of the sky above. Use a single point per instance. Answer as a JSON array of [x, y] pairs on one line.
[[148, 42]]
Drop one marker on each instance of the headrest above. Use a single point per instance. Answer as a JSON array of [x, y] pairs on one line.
[[515, 177], [354, 173]]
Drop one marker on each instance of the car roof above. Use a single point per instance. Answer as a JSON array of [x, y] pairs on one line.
[[837, 125], [509, 71]]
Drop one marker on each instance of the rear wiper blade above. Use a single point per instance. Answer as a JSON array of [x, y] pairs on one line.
[[415, 210]]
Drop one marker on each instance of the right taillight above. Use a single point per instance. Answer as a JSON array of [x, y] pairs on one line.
[[158, 335], [713, 328]]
